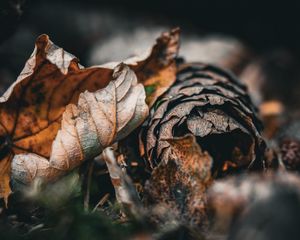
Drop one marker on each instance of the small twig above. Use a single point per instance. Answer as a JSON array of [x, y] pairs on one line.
[[88, 186], [36, 227], [101, 172], [101, 202], [126, 193]]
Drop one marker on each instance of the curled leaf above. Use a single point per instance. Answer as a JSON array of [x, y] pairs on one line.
[[156, 70], [31, 110], [96, 122], [159, 73]]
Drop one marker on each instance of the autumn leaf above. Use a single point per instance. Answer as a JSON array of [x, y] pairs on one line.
[[31, 110], [96, 122], [156, 69], [159, 73], [180, 184]]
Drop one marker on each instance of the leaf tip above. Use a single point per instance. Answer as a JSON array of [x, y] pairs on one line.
[[168, 44], [42, 41]]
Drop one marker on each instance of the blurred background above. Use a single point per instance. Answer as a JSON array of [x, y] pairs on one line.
[[258, 40]]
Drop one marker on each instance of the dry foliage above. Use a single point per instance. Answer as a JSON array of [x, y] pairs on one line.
[[96, 122], [201, 126], [51, 100]]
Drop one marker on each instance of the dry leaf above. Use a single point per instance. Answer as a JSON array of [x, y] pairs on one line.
[[96, 122], [31, 109], [180, 184], [159, 72], [156, 70]]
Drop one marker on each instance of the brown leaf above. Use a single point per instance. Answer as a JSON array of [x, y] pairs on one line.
[[96, 122], [5, 190], [31, 110], [180, 184], [156, 70]]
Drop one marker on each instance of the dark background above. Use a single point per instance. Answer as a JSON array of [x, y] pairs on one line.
[[261, 23]]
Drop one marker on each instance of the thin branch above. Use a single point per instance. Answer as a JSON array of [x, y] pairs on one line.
[[101, 202], [126, 193]]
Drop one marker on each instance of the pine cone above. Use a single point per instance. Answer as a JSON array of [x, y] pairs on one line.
[[211, 104]]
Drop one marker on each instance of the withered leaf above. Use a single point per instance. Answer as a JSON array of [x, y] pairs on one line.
[[96, 122], [157, 69], [180, 184], [211, 104], [31, 109]]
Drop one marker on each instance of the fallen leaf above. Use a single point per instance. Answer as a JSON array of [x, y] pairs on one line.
[[31, 109], [156, 69], [96, 122], [180, 184], [159, 73]]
